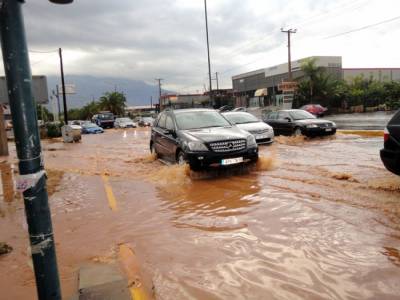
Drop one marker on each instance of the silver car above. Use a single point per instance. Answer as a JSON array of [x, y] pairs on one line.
[[124, 123], [263, 133]]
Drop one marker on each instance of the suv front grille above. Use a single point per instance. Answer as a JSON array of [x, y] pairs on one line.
[[325, 125], [228, 146]]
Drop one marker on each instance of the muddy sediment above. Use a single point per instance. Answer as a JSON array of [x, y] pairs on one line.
[[313, 219]]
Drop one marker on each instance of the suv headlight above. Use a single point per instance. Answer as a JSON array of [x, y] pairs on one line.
[[333, 124], [312, 126], [197, 146], [251, 141]]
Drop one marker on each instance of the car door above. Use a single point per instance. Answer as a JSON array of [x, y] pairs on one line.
[[170, 138], [284, 123], [158, 136], [271, 120]]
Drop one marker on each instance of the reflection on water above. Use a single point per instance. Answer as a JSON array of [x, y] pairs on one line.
[[209, 204]]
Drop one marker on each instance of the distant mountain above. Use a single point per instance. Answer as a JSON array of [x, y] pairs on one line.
[[89, 87]]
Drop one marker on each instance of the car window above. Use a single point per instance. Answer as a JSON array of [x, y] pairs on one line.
[[200, 119], [169, 124], [282, 115], [272, 116], [161, 122]]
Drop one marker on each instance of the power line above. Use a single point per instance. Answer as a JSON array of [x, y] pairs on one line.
[[362, 28]]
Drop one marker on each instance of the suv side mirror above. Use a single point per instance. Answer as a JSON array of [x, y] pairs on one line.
[[288, 119]]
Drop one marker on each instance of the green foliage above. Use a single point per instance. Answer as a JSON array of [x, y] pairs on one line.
[[43, 113], [113, 102], [54, 129], [317, 86]]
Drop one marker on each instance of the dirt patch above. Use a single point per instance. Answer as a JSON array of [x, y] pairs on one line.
[[53, 180], [5, 249], [290, 140], [343, 176], [385, 184]]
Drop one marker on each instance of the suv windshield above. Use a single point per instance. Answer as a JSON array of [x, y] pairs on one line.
[[301, 115], [106, 116], [241, 118], [200, 119]]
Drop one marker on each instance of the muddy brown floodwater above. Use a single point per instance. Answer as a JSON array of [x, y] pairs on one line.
[[315, 219]]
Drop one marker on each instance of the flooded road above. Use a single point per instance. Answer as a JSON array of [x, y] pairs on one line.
[[362, 121], [316, 219]]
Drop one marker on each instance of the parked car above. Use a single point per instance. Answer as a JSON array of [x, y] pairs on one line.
[[315, 109], [390, 154], [124, 123], [104, 119], [201, 137], [88, 128], [263, 133], [146, 121], [298, 122]]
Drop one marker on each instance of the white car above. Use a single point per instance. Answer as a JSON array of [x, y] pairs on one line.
[[263, 133], [124, 123]]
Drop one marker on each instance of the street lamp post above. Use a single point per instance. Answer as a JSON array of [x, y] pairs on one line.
[[32, 178], [208, 51]]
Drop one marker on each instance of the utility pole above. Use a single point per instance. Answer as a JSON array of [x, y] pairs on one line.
[[63, 88], [289, 32], [208, 50], [151, 102], [159, 93], [32, 178], [216, 78]]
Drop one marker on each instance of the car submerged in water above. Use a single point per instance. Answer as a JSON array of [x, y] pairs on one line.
[[202, 138], [298, 122]]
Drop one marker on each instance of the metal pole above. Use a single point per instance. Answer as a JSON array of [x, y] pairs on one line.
[[208, 49], [32, 180], [289, 32], [63, 88], [216, 77]]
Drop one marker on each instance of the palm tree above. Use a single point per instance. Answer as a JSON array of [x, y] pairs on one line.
[[312, 75], [113, 102]]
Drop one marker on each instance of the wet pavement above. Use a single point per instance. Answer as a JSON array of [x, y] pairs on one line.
[[366, 121], [315, 219]]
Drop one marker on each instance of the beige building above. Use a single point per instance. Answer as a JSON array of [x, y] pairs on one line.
[[379, 74]]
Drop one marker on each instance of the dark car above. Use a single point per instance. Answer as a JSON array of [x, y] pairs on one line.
[[104, 119], [315, 109], [298, 122], [88, 128], [201, 137], [390, 154]]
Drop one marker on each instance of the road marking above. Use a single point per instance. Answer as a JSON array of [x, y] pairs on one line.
[[112, 202], [131, 268]]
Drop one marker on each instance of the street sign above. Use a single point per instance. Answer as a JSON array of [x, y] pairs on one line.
[[69, 89], [39, 86], [287, 86]]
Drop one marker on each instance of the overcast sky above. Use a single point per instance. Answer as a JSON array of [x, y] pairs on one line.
[[146, 39]]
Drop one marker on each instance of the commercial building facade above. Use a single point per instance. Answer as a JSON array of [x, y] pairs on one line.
[[378, 74]]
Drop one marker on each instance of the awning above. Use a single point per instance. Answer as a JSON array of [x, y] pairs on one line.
[[261, 93]]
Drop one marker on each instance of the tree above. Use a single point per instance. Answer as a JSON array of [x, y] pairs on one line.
[[43, 113], [316, 86], [113, 102]]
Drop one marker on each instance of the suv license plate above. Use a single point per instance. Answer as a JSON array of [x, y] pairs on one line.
[[328, 129], [261, 136], [231, 161]]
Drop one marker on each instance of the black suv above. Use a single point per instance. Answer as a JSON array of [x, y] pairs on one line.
[[201, 137], [390, 154]]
